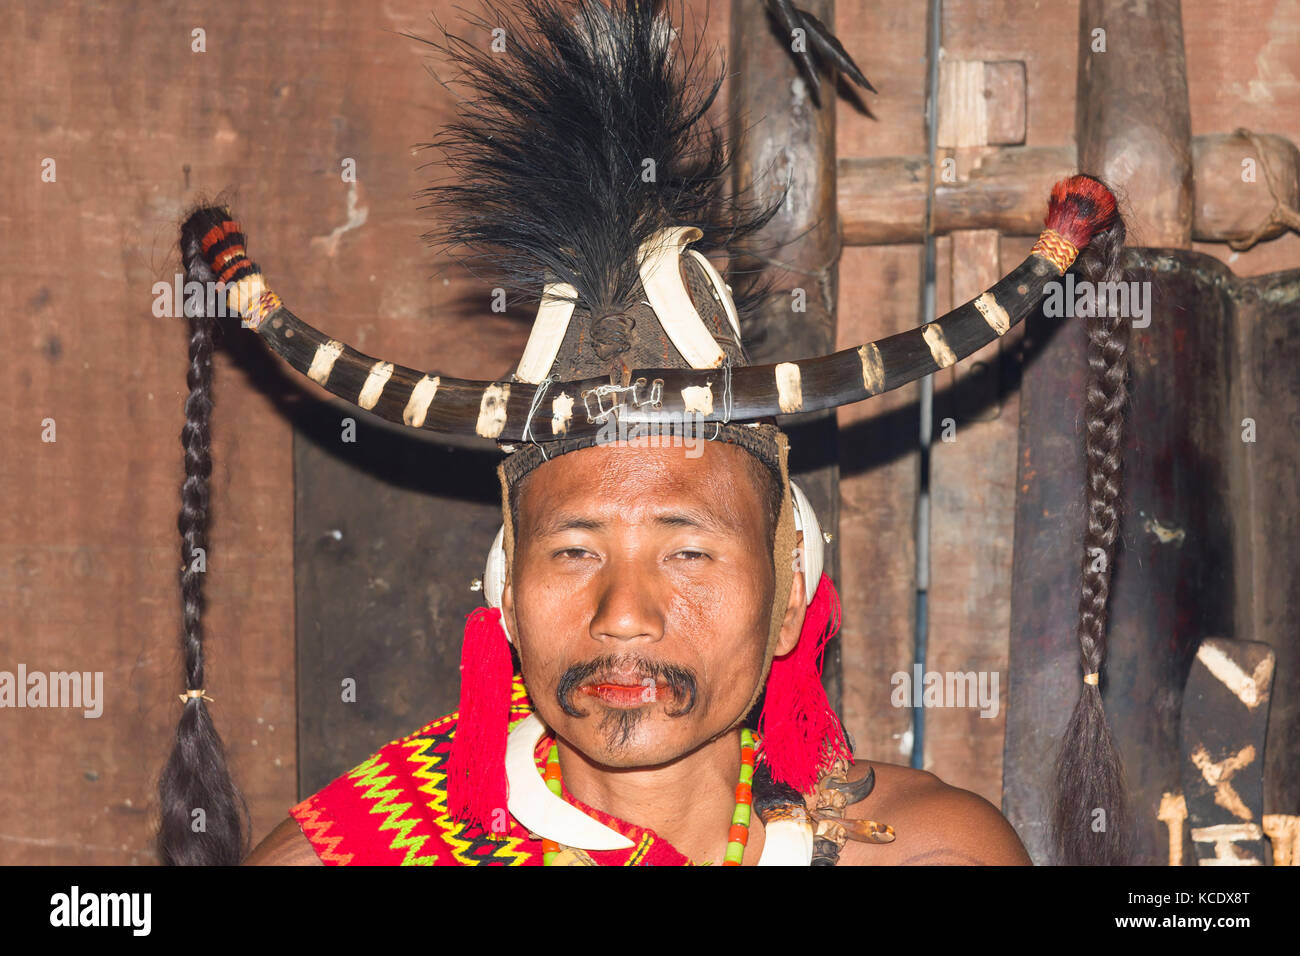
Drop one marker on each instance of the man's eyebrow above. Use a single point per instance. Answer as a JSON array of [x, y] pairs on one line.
[[564, 521], [677, 518], [693, 519]]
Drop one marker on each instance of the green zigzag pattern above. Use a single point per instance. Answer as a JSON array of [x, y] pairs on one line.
[[368, 775]]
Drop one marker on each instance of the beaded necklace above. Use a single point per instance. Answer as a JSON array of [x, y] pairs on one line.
[[738, 836]]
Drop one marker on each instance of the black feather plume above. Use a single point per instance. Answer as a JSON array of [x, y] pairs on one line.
[[583, 133]]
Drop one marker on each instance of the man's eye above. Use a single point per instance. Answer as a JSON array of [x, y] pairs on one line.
[[692, 555], [571, 553]]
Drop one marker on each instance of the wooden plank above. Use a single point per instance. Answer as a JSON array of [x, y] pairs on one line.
[[1004, 85], [879, 460], [972, 507], [1264, 463], [1234, 195], [879, 467], [389, 533], [1133, 129], [88, 578], [981, 104]]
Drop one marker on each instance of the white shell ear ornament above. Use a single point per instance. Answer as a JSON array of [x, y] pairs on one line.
[[494, 576], [814, 545]]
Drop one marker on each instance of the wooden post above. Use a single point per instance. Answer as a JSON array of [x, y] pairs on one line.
[[780, 136], [1133, 116]]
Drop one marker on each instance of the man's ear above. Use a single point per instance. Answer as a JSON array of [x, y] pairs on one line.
[[796, 607]]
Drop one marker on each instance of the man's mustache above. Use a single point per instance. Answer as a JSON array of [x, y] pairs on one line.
[[681, 681]]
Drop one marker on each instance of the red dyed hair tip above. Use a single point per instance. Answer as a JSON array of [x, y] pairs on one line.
[[1080, 208]]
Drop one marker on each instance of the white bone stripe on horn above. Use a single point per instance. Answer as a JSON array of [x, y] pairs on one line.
[[417, 406], [492, 411], [698, 398], [993, 313], [873, 368], [561, 413], [943, 356], [548, 332], [322, 363], [789, 387], [1245, 687], [379, 375], [661, 276]]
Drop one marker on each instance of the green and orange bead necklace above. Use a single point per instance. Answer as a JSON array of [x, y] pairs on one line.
[[738, 836]]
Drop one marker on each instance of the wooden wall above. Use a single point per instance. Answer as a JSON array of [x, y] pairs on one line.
[[1243, 70], [140, 126]]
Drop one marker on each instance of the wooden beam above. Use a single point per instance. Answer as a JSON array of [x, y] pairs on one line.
[[882, 200]]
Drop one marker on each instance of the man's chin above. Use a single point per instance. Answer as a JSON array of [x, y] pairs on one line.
[[623, 738]]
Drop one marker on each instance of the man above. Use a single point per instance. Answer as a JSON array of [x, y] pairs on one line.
[[649, 558], [653, 591]]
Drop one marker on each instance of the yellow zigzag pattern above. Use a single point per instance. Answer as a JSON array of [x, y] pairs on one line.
[[506, 849], [367, 774], [432, 787]]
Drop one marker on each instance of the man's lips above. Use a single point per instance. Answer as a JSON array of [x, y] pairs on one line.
[[619, 694]]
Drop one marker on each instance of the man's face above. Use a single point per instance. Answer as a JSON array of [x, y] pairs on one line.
[[640, 595]]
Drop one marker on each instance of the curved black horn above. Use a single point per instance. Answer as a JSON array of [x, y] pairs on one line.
[[517, 411]]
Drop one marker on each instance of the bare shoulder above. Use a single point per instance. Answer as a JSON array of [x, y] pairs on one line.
[[284, 846], [934, 824]]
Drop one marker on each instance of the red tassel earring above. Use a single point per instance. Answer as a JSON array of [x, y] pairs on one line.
[[801, 734], [476, 769]]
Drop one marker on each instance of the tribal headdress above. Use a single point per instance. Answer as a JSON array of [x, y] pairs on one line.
[[590, 181]]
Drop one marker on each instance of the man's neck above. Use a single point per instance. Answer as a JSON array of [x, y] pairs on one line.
[[689, 802]]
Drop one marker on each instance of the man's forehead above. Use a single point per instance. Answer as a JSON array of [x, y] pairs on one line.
[[714, 486]]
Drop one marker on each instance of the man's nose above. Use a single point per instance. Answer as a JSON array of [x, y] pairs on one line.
[[629, 604]]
